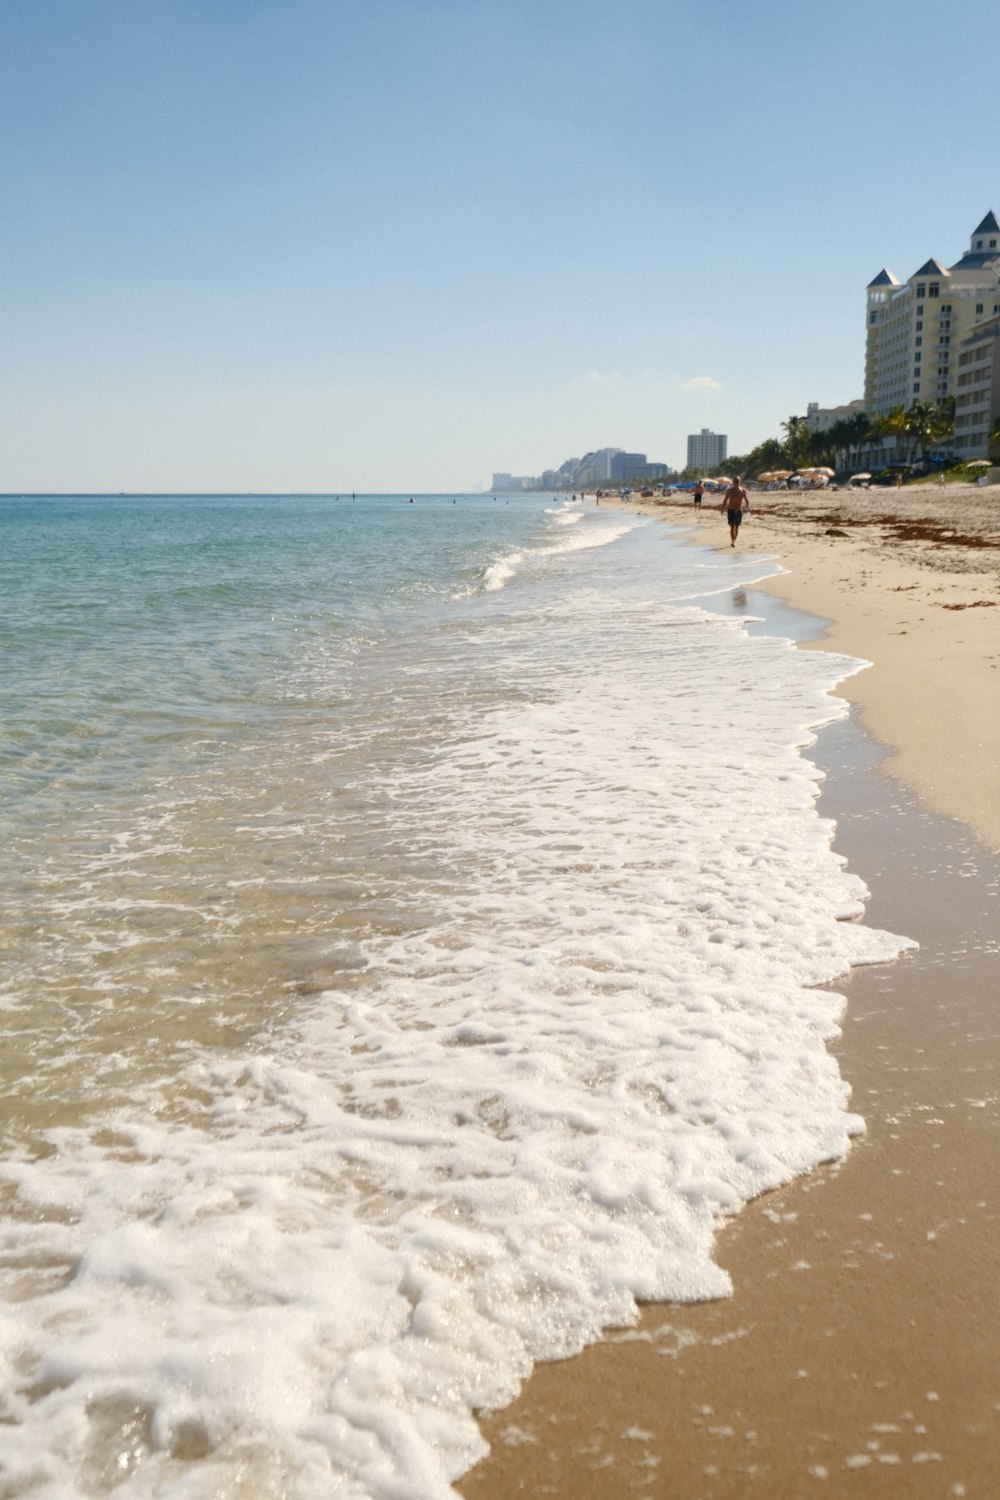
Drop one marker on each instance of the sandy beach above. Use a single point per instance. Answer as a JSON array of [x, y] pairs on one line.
[[859, 1355], [908, 579]]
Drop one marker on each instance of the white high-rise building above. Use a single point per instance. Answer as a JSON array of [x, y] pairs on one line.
[[915, 327], [706, 449]]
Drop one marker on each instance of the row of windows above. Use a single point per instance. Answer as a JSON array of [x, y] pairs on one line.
[[981, 378], [968, 394], [977, 356], [972, 419], [944, 314]]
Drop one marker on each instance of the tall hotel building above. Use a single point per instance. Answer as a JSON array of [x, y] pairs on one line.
[[706, 450], [915, 327]]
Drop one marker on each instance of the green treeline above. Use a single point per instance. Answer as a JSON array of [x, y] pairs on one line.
[[915, 431]]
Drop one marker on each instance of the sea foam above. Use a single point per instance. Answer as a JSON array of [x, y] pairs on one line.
[[577, 1024]]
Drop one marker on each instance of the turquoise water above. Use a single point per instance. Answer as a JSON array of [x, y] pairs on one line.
[[393, 990], [130, 625]]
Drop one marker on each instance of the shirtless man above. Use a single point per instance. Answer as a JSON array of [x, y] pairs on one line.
[[734, 503]]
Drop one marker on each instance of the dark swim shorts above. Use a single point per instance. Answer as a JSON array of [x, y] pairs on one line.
[[734, 517]]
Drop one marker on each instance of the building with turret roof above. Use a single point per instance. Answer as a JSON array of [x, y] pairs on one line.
[[915, 328]]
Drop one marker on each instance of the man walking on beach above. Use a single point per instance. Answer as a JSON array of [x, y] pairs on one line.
[[734, 503], [699, 490]]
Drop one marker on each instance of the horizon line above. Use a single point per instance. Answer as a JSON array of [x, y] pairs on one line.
[[222, 494]]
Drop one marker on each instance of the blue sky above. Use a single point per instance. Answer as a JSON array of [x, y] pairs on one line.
[[398, 244]]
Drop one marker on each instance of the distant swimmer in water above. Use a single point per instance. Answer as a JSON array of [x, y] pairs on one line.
[[734, 503]]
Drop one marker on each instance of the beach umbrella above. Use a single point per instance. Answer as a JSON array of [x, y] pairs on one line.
[[822, 469], [978, 463], [860, 476], [782, 474]]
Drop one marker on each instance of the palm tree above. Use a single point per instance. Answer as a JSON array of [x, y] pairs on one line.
[[945, 419], [856, 433], [877, 429], [844, 435], [819, 445], [767, 455], [796, 431], [928, 422], [921, 424], [895, 425]]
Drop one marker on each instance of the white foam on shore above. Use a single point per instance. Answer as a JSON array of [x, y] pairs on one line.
[[600, 532], [581, 1031], [578, 541], [499, 573]]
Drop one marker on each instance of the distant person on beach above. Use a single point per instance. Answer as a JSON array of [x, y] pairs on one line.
[[734, 503], [699, 490]]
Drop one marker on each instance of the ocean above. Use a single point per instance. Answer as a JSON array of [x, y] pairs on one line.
[[415, 924]]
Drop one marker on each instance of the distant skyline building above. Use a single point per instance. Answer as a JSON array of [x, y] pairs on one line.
[[604, 463], [706, 449], [623, 465], [599, 467], [914, 328], [505, 484], [651, 473]]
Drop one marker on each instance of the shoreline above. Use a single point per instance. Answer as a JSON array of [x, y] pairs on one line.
[[908, 580], [850, 1358]]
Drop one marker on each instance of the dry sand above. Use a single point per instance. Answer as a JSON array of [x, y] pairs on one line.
[[910, 580], [860, 1354]]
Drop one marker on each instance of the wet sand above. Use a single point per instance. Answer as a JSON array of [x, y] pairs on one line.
[[860, 1354], [910, 580]]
